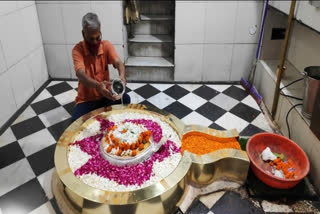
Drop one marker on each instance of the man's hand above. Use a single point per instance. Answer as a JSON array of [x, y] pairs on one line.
[[120, 66], [104, 89], [123, 79]]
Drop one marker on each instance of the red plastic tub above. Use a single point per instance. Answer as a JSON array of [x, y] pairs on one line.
[[277, 144]]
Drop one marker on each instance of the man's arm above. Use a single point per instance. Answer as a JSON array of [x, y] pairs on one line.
[[114, 59], [89, 82], [120, 67], [86, 80], [92, 83]]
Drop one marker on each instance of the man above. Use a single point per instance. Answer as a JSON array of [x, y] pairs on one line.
[[91, 58]]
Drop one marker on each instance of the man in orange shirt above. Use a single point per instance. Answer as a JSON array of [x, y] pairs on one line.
[[91, 58]]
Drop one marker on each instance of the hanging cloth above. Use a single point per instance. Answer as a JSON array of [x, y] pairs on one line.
[[131, 12]]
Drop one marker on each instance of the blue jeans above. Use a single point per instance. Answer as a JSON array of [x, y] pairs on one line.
[[86, 107]]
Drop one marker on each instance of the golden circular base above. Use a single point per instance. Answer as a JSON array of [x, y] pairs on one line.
[[71, 203], [74, 196], [58, 190]]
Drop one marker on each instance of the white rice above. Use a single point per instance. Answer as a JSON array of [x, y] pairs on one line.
[[92, 129], [160, 169], [77, 157]]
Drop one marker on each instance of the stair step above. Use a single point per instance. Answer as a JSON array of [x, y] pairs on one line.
[[149, 17], [150, 73], [165, 49], [157, 7], [151, 38], [153, 28], [149, 62]]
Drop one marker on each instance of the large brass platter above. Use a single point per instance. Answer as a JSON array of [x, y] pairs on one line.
[[161, 197]]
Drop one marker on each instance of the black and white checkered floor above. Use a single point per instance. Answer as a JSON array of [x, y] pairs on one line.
[[27, 146]]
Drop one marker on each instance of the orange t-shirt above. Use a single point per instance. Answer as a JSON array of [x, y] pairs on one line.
[[95, 67]]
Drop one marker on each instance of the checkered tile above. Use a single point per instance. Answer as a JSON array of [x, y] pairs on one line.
[[27, 146], [238, 202], [228, 202]]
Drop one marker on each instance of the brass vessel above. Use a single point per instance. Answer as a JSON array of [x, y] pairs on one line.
[[74, 196]]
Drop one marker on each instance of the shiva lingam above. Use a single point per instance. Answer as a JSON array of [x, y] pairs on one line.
[[154, 184]]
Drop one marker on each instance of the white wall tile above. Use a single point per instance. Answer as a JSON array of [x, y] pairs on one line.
[[57, 61], [220, 21], [309, 15], [249, 15], [38, 67], [72, 15], [264, 83], [188, 62], [291, 52], [12, 38], [283, 6], [300, 132], [75, 2], [105, 2], [21, 81], [70, 61], [47, 2], [50, 19], [271, 49], [111, 19], [125, 43], [304, 47], [242, 58], [3, 63], [120, 51], [19, 36], [30, 23], [217, 62], [274, 3], [189, 22], [22, 4], [6, 94], [7, 7], [113, 71]]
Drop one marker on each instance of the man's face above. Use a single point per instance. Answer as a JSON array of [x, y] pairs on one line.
[[92, 36]]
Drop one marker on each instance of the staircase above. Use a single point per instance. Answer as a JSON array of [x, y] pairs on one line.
[[151, 50]]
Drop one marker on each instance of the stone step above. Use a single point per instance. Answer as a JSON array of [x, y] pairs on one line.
[[150, 73], [138, 49], [151, 38], [152, 48], [157, 7], [150, 17], [153, 27], [149, 62]]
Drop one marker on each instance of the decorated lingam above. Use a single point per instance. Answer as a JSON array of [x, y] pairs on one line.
[[127, 159]]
